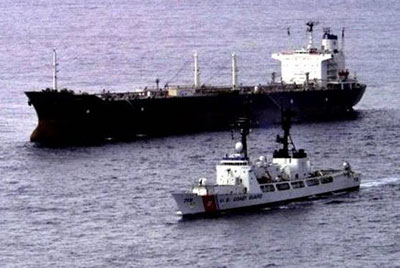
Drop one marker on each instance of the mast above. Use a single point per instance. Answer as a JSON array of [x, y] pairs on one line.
[[286, 124], [244, 128], [196, 71], [342, 51], [286, 139], [290, 39], [54, 69], [342, 46], [310, 25], [234, 72]]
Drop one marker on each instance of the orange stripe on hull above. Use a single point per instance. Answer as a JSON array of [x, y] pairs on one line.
[[209, 203]]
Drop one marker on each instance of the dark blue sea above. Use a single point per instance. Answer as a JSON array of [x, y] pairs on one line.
[[111, 205]]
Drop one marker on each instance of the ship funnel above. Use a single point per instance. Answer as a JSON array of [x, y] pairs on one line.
[[234, 72], [55, 69], [196, 71], [329, 41]]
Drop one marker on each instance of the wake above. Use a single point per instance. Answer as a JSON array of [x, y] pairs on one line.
[[380, 182]]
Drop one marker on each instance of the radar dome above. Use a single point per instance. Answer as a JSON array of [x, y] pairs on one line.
[[238, 147], [202, 181], [346, 166]]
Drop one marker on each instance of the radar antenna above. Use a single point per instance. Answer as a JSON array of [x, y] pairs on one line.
[[326, 30], [310, 26]]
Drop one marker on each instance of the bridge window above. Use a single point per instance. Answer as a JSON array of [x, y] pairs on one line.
[[297, 184], [283, 186], [312, 182], [268, 188], [326, 180]]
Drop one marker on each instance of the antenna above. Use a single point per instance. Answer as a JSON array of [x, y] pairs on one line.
[[54, 69]]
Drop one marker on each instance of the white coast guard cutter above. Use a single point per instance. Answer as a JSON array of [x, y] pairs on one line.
[[242, 184]]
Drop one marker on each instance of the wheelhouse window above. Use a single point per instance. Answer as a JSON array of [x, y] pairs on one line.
[[297, 184], [326, 180], [283, 186], [234, 163], [312, 182], [263, 180], [268, 188]]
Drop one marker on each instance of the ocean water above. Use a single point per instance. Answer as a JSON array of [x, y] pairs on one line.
[[110, 206]]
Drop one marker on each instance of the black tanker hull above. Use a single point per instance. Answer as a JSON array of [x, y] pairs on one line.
[[66, 118]]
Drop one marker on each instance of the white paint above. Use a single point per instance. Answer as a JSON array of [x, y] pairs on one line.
[[322, 64], [196, 71], [241, 183]]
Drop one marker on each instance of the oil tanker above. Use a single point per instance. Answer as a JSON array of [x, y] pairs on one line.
[[314, 83]]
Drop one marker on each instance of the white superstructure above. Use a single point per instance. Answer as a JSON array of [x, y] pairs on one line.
[[311, 64], [243, 184]]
